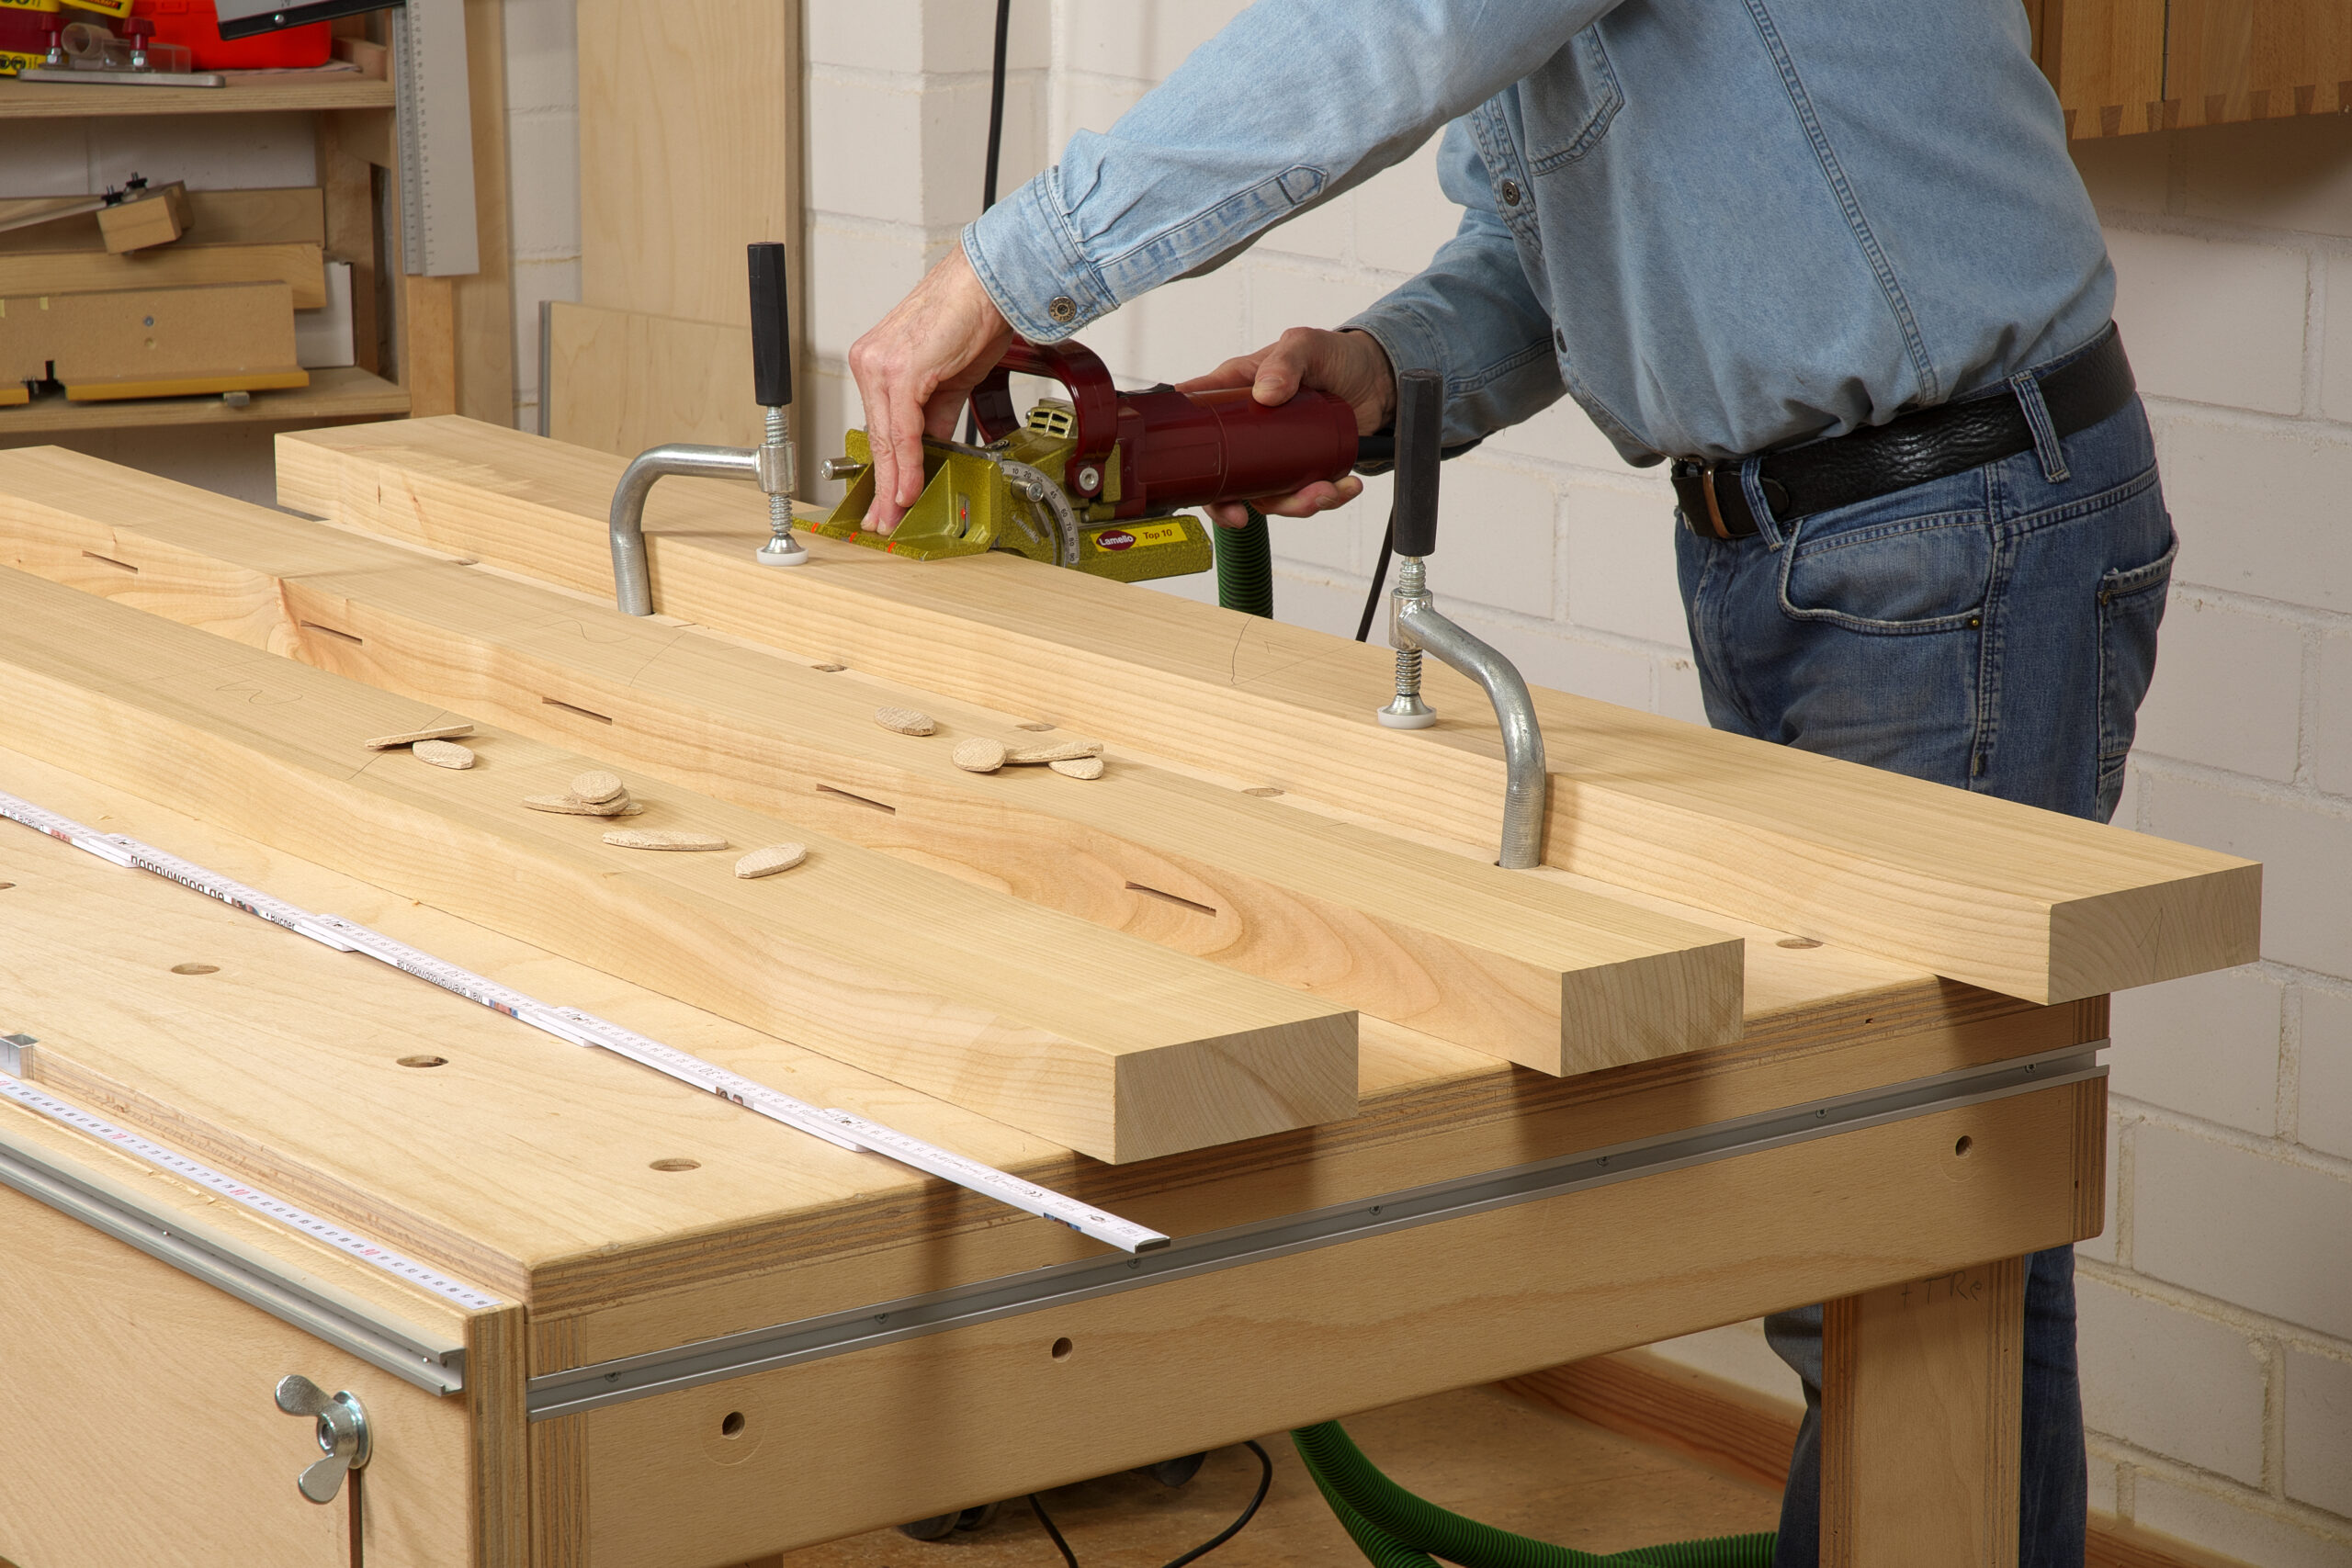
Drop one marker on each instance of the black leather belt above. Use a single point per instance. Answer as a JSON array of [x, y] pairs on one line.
[[1879, 459]]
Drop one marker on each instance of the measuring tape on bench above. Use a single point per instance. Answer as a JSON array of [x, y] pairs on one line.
[[585, 1028], [322, 1231]]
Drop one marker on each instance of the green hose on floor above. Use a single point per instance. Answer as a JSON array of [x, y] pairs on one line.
[[1245, 567], [1396, 1530]]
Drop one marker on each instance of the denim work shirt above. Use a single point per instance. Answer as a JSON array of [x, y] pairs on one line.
[[1723, 226]]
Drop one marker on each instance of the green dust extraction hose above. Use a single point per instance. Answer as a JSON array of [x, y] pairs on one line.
[[1396, 1530], [1245, 567]]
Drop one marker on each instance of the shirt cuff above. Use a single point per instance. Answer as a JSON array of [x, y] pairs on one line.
[[1407, 340], [1025, 252]]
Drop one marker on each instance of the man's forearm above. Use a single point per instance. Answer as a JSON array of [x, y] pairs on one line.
[[1294, 102]]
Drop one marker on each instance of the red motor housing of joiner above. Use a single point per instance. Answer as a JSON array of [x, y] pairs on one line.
[[1176, 449]]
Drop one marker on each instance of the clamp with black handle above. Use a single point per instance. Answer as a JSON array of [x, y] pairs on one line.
[[1415, 626], [770, 465]]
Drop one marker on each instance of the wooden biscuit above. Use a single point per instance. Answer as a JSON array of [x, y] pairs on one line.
[[663, 839], [570, 806], [1078, 767], [410, 737], [771, 860], [906, 721], [443, 753], [978, 755], [598, 787], [1067, 751]]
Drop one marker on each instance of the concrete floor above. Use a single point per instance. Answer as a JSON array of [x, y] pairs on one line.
[[1479, 1451]]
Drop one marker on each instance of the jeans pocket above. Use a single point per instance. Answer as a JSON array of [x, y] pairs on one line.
[[2130, 607], [1901, 577]]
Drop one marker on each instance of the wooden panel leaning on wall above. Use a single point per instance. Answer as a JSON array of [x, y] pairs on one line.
[[1104, 1044], [620, 381], [1523, 968], [1999, 894]]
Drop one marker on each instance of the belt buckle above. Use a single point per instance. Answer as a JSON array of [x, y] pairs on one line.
[[1703, 476]]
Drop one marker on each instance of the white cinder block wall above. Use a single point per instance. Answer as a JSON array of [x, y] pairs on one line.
[[2217, 1308], [543, 175]]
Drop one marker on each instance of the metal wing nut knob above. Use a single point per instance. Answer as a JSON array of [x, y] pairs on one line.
[[343, 1433]]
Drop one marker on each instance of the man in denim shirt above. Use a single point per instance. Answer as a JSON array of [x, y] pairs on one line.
[[1829, 256]]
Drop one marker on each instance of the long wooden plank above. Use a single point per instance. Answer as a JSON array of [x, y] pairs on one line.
[[291, 215], [1106, 1045], [1999, 894], [301, 267], [1543, 974]]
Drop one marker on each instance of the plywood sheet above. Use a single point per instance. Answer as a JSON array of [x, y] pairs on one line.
[[623, 380]]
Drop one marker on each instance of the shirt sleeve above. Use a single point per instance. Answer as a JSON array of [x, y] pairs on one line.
[[1294, 102], [1471, 315]]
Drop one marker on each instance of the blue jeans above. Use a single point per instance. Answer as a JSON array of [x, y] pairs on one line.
[[1994, 631]]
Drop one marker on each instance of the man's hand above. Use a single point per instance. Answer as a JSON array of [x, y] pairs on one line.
[[914, 370], [1348, 365]]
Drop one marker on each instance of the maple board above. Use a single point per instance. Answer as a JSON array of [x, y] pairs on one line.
[[1522, 967], [2024, 901], [1108, 1044]]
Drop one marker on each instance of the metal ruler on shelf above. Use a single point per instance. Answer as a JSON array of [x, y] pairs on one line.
[[834, 1126], [435, 139]]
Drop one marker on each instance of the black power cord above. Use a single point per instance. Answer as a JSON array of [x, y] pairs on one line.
[[1265, 1485], [996, 104], [996, 146], [1379, 575], [1381, 448]]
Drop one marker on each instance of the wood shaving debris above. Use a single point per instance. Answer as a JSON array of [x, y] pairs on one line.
[[572, 806], [978, 755], [1078, 767], [443, 753], [906, 721], [1068, 751], [771, 860], [410, 737], [663, 839], [598, 786]]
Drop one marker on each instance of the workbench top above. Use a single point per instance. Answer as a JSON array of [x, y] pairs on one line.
[[531, 1168]]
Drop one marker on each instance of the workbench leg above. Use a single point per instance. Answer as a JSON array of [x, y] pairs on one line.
[[1920, 1434]]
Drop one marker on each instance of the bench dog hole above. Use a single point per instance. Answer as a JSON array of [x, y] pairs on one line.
[[1173, 898], [196, 968], [424, 1061], [676, 1164], [847, 795]]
